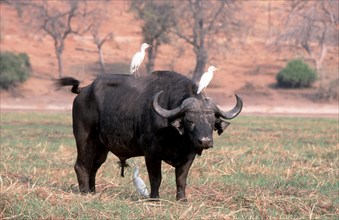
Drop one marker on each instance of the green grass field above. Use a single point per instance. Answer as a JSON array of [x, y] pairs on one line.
[[260, 168]]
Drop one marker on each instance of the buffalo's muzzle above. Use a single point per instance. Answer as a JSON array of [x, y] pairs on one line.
[[205, 142]]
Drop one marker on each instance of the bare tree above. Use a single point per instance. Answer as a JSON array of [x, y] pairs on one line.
[[99, 42], [313, 25], [99, 15], [201, 23], [158, 19], [58, 19]]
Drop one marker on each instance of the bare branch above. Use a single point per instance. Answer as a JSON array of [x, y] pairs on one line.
[[198, 26], [212, 22], [70, 15], [329, 12], [312, 26], [184, 37], [99, 42], [55, 18]]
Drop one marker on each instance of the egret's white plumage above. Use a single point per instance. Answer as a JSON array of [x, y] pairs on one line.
[[137, 59], [206, 78], [139, 183]]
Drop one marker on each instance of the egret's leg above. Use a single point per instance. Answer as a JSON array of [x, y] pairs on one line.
[[203, 93], [136, 73]]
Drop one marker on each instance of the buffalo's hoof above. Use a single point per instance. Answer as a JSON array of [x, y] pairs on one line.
[[153, 199], [182, 200]]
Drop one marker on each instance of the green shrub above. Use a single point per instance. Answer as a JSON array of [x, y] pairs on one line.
[[296, 74], [13, 69]]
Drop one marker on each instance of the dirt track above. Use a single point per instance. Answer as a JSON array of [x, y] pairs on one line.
[[327, 111]]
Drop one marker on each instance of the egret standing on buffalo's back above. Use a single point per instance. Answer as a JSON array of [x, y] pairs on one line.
[[206, 78], [137, 60]]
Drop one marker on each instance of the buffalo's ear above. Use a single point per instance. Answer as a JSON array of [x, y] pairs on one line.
[[220, 125], [177, 124]]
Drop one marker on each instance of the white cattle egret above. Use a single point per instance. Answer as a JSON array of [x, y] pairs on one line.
[[137, 59], [139, 183], [206, 78]]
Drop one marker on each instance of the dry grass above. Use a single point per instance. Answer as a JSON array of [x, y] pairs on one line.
[[262, 168]]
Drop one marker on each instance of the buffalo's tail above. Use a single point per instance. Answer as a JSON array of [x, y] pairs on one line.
[[69, 81]]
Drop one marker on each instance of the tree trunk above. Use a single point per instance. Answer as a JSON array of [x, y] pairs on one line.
[[151, 60], [200, 66], [269, 22], [319, 62], [199, 41], [152, 54], [101, 60], [60, 64], [59, 47]]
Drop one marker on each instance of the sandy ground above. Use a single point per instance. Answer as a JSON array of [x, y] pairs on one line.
[[62, 101]]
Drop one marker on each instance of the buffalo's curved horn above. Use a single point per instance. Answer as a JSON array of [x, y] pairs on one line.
[[164, 112], [233, 112]]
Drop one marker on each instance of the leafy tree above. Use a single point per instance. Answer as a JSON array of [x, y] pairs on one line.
[[201, 23], [158, 19]]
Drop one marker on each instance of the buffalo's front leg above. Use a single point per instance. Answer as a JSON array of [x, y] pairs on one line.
[[181, 173], [154, 173]]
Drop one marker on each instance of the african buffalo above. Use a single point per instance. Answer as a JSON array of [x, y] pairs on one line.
[[160, 117]]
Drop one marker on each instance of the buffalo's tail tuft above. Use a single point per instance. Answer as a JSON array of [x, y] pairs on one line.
[[69, 81]]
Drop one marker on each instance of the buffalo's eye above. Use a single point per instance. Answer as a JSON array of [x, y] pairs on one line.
[[211, 120], [190, 125]]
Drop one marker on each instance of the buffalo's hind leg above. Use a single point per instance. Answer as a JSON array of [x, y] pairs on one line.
[[82, 170], [100, 157], [91, 154]]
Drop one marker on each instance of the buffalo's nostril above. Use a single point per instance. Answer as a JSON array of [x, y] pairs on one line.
[[205, 142]]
